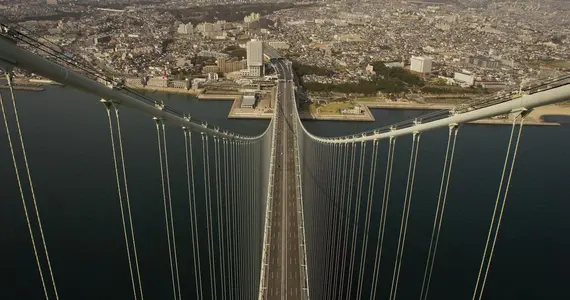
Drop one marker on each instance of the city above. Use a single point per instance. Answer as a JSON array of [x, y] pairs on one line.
[[453, 53], [259, 199]]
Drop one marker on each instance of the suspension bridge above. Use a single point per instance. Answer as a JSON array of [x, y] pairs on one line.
[[287, 214]]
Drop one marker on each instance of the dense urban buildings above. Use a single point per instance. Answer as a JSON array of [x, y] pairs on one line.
[[475, 43]]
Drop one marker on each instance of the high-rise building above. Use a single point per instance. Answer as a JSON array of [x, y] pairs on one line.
[[255, 58], [52, 2], [420, 64]]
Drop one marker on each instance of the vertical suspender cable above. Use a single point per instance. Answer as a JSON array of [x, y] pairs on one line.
[[32, 190], [246, 218], [163, 184], [343, 215], [261, 187], [330, 202], [444, 187], [356, 221], [237, 224], [232, 212], [337, 218], [4, 115], [207, 194], [120, 194], [227, 206], [507, 187], [192, 206], [334, 225], [256, 190], [243, 221], [170, 207], [219, 211], [135, 252], [383, 216], [348, 219], [239, 208], [495, 232], [371, 185], [253, 221], [327, 217], [249, 217], [313, 241], [405, 214]]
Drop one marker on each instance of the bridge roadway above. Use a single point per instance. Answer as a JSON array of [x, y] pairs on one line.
[[284, 269]]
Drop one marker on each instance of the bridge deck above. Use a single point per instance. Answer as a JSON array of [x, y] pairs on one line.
[[284, 272]]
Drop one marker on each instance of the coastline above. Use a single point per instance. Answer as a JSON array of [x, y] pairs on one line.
[[22, 85], [17, 87], [535, 118], [154, 89]]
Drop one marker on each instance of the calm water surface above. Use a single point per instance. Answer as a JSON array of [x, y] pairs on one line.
[[70, 156]]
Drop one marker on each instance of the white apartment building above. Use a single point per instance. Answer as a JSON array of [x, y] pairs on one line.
[[421, 64], [255, 58], [468, 79]]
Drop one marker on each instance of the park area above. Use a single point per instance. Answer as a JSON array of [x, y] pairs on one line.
[[331, 108]]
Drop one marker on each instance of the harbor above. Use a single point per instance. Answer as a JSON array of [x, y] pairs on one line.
[[356, 110]]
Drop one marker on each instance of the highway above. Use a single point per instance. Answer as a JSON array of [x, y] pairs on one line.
[[284, 280]]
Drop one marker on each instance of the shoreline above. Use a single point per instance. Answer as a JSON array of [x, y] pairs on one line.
[[17, 87], [535, 118], [172, 90]]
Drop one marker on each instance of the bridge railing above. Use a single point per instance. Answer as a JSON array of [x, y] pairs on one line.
[[269, 204]]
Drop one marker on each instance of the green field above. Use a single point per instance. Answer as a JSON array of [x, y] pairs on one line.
[[331, 108]]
